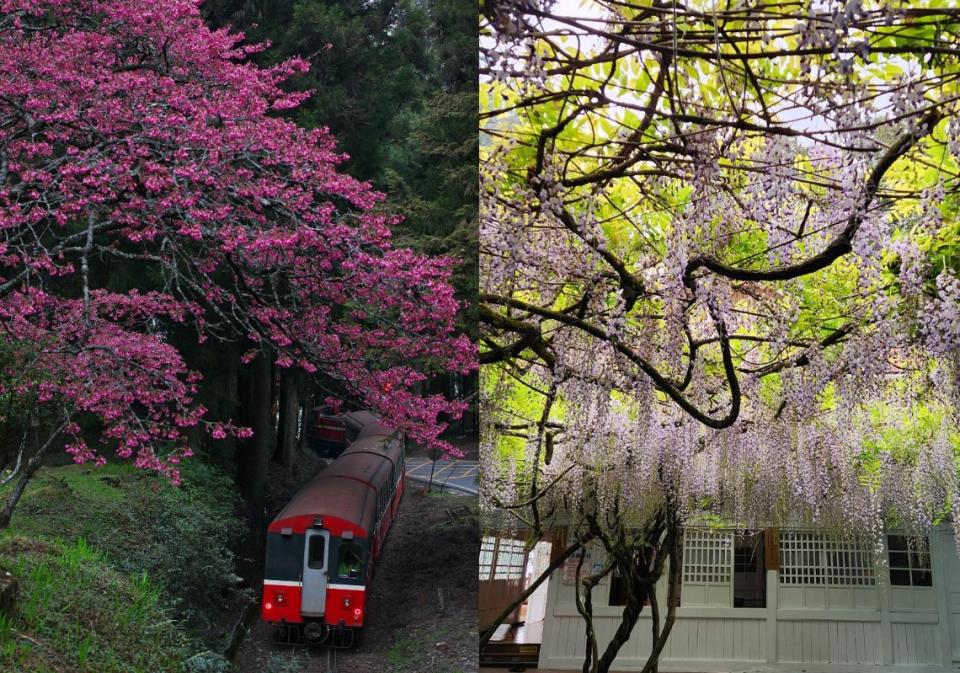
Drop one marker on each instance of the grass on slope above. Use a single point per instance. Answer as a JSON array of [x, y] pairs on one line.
[[106, 558], [78, 614]]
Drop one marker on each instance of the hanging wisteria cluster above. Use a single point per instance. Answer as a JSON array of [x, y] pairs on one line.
[[721, 259]]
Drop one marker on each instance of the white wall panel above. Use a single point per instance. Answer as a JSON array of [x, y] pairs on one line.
[[838, 628], [828, 642], [916, 643], [913, 598]]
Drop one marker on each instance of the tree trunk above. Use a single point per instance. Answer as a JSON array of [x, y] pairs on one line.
[[290, 415], [28, 471], [673, 600], [585, 608], [306, 418], [636, 596], [643, 574], [253, 453], [642, 568]]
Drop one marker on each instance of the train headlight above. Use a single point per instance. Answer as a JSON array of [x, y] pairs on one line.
[[346, 602], [268, 606], [281, 598], [357, 612]]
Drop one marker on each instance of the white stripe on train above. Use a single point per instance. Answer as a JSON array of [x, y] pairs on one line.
[[286, 583]]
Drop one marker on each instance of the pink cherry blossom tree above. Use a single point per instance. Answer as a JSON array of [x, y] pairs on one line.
[[131, 134]]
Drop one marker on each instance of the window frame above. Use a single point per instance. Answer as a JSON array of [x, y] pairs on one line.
[[809, 558], [912, 553], [346, 545], [709, 559], [311, 540], [486, 565], [507, 561], [514, 548]]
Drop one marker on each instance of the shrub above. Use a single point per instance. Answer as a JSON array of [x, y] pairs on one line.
[[185, 532], [208, 662]]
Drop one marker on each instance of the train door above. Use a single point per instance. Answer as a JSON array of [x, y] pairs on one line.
[[314, 592]]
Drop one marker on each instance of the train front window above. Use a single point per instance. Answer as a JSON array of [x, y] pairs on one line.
[[284, 557], [316, 557], [350, 561]]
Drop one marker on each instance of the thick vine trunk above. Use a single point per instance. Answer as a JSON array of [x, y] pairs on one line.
[[629, 619], [673, 600], [253, 453], [655, 630], [585, 608], [642, 566]]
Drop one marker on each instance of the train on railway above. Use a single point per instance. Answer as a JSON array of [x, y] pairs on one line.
[[322, 549]]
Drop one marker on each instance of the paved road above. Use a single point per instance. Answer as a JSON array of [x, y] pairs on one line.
[[448, 475]]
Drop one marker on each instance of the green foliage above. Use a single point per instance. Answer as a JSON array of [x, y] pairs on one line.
[[395, 82], [901, 432], [208, 662], [368, 62], [190, 530], [173, 542], [77, 613], [178, 536], [432, 181]]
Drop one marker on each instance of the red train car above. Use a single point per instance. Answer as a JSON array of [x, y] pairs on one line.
[[323, 547]]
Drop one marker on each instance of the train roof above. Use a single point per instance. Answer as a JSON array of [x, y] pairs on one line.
[[368, 467], [377, 445], [366, 424], [352, 501], [347, 489]]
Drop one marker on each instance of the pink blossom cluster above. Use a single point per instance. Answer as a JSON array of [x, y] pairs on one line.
[[134, 134]]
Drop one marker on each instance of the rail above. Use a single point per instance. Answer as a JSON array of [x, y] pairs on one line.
[[331, 660]]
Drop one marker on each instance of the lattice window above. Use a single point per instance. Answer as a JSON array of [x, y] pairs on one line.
[[509, 560], [816, 558], [707, 557], [909, 561], [487, 545], [849, 561], [801, 558]]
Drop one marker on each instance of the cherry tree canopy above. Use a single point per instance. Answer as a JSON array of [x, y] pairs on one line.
[[131, 133], [720, 257]]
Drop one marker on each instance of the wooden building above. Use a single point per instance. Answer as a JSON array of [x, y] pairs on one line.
[[774, 599]]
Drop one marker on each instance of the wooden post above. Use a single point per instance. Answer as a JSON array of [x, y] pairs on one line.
[[771, 548], [886, 629], [939, 546], [558, 542], [771, 560]]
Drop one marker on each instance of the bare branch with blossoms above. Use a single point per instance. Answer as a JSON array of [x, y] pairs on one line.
[[615, 134]]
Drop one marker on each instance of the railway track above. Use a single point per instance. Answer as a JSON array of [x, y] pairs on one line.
[[331, 660]]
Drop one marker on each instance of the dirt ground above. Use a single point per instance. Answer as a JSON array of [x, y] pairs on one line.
[[422, 608]]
